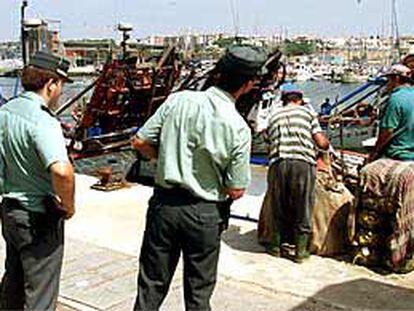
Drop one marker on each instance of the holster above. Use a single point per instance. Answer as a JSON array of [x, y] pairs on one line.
[[224, 210], [54, 207]]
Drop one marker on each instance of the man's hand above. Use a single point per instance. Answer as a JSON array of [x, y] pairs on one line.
[[70, 211], [384, 138], [63, 181], [235, 194], [144, 147], [321, 141]]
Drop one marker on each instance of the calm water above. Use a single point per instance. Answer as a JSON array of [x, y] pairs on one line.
[[8, 85], [317, 91]]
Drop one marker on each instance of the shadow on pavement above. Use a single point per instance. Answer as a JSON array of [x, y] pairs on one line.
[[246, 242], [362, 294]]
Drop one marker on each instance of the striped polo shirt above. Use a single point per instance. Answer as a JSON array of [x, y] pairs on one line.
[[290, 133]]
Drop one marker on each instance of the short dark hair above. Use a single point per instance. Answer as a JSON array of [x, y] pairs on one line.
[[34, 79], [408, 59], [289, 97], [406, 79], [231, 82], [402, 79]]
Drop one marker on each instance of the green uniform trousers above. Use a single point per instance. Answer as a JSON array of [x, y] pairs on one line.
[[179, 222], [34, 254]]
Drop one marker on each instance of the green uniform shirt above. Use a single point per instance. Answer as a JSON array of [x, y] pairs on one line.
[[30, 141], [204, 144], [399, 117]]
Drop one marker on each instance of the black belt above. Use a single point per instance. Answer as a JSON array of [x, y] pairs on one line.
[[9, 204], [180, 196], [12, 203], [177, 196]]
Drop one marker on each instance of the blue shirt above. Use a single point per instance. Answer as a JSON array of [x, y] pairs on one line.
[[399, 117], [31, 140]]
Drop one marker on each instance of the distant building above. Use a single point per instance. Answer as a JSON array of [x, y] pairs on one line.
[[10, 50], [89, 52], [42, 38]]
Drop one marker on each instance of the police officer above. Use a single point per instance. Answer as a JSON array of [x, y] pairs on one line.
[[37, 186], [202, 146]]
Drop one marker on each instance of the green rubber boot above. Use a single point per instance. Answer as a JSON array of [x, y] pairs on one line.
[[273, 248], [302, 253]]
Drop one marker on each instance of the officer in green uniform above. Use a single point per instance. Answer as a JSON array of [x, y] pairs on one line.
[[202, 146], [37, 187]]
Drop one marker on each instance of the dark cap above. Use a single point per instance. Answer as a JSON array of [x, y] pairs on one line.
[[51, 62], [244, 60]]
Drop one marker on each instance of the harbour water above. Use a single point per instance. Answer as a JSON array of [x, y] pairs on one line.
[[316, 91], [8, 86]]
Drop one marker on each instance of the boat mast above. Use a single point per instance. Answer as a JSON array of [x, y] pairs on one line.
[[235, 18], [23, 32], [395, 36]]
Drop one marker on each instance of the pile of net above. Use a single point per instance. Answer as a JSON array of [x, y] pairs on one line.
[[385, 215]]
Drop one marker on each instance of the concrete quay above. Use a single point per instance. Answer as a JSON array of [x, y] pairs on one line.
[[102, 248]]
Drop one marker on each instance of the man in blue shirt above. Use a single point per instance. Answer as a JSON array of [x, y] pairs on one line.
[[37, 187], [326, 108], [396, 137]]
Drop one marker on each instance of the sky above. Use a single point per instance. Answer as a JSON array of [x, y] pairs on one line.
[[98, 18]]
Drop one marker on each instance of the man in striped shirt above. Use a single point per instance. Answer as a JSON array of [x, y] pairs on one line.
[[294, 133]]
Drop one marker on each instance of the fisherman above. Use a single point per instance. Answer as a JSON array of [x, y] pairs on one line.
[[37, 186], [385, 184], [293, 133], [396, 136], [408, 61], [202, 146], [258, 116], [326, 108]]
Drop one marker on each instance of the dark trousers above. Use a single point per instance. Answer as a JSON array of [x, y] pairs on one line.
[[177, 222], [292, 185], [34, 253]]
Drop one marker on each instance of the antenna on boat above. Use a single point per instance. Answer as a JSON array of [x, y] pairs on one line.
[[25, 26], [22, 31], [125, 29]]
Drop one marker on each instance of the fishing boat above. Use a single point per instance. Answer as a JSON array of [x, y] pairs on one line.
[[124, 96], [354, 117]]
